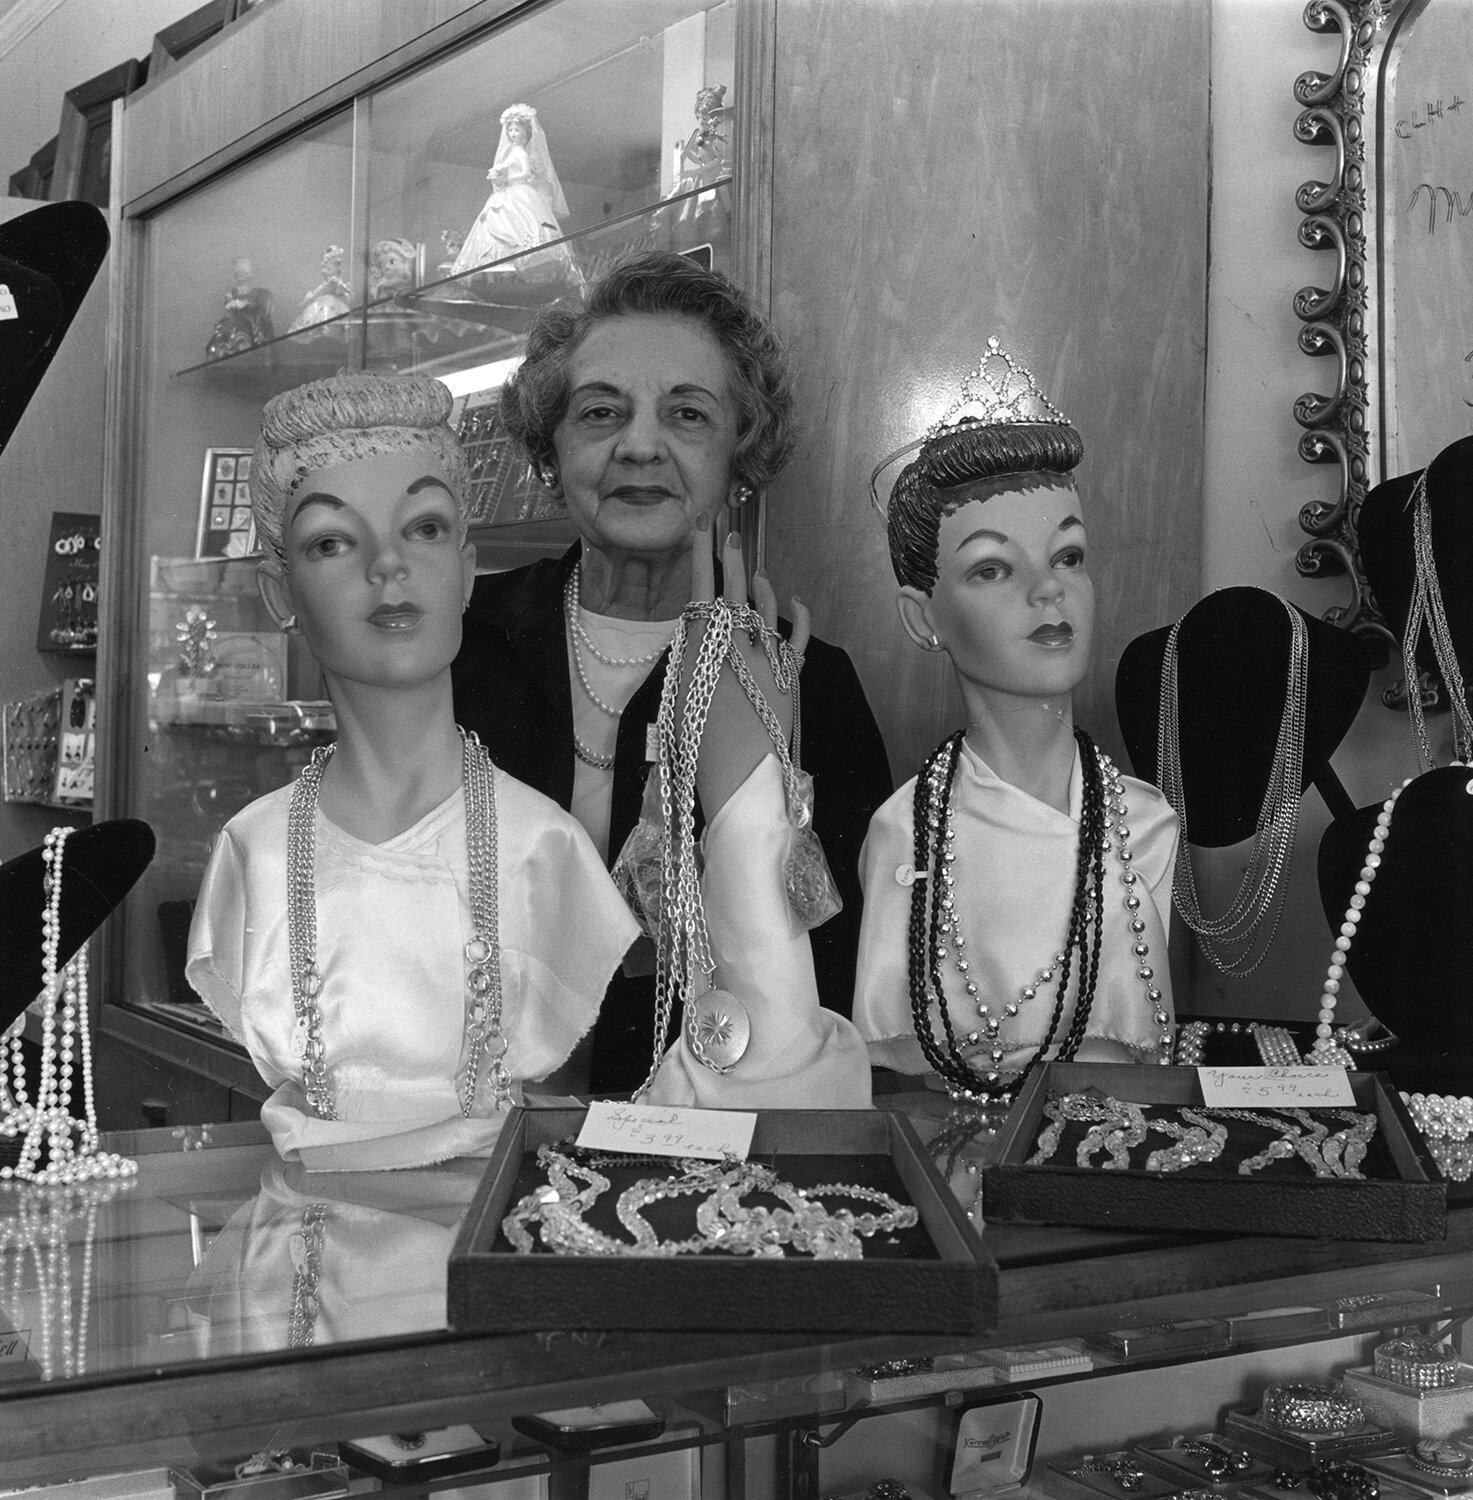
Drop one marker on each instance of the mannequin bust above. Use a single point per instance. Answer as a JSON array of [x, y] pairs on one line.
[[1014, 930]]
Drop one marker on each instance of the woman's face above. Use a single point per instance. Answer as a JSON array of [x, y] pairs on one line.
[[645, 446], [375, 569], [1013, 604], [518, 132]]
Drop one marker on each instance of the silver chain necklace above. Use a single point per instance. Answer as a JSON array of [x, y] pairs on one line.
[[1427, 609], [484, 1037], [1257, 896]]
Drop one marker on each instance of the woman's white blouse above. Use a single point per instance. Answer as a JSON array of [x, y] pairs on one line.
[[1014, 878]]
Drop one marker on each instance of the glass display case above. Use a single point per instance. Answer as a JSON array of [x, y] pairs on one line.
[[417, 222]]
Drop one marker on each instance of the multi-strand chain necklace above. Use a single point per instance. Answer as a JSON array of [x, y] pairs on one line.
[[935, 931], [1426, 608], [1231, 941], [580, 641], [485, 1041], [717, 1027]]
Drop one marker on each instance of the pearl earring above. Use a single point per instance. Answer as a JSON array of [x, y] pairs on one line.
[[741, 494]]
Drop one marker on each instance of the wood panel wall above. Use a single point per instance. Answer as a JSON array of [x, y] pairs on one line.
[[950, 169]]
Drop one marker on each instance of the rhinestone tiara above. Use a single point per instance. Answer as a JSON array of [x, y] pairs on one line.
[[998, 392]]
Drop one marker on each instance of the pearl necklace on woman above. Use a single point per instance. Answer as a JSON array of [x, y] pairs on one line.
[[579, 641], [72, 1146], [484, 1037]]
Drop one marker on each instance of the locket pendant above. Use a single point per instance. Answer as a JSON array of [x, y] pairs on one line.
[[718, 1030]]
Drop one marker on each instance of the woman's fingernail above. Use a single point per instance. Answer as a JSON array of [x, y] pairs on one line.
[[703, 522], [733, 539]]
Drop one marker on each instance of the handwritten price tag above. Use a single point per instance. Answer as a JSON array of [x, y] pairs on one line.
[[1303, 1088], [653, 1130]]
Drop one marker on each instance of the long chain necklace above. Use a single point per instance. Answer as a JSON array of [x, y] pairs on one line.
[[935, 929], [1426, 608], [484, 1038], [579, 641], [1258, 898], [717, 1027]]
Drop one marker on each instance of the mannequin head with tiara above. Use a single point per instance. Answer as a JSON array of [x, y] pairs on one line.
[[988, 543]]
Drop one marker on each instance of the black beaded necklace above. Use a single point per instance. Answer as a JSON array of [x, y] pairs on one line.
[[931, 907]]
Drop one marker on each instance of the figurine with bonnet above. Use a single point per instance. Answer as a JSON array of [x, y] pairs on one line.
[[1018, 890]]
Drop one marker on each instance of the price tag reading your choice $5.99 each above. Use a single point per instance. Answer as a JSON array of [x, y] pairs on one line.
[[1275, 1088]]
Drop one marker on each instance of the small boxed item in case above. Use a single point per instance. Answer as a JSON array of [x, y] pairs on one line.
[[413, 1457], [905, 1379], [991, 1447], [1275, 1325], [763, 1400], [1207, 1459], [1301, 1424], [1112, 1146], [1382, 1309], [1431, 1467], [1114, 1474], [1064, 1358], [1188, 1336], [1420, 1411], [278, 1474], [912, 1263]]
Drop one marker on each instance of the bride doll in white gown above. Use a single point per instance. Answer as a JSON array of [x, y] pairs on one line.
[[526, 206]]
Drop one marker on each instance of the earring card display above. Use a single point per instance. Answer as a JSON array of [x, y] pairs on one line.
[[502, 490], [935, 1278], [68, 624], [31, 727], [226, 528], [1401, 1196]]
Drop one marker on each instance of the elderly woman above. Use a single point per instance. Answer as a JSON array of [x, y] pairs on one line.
[[662, 400], [407, 934]]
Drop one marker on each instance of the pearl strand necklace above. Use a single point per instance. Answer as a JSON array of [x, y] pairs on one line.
[[1326, 1051], [72, 1153]]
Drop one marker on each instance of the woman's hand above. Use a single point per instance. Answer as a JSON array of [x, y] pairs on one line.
[[736, 740]]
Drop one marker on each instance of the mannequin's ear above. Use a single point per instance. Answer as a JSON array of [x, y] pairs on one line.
[[468, 570], [275, 590], [914, 609]]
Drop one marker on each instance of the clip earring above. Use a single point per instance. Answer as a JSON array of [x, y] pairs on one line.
[[547, 477], [934, 644], [289, 624], [740, 495]]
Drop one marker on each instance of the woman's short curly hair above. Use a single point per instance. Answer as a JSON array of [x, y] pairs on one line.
[[351, 415], [941, 478], [535, 399]]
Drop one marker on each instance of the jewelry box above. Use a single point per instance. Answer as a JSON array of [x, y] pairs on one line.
[[930, 1276], [1429, 1412], [1159, 1340], [1399, 1196]]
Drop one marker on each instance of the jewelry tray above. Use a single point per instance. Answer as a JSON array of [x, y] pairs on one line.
[[1406, 1201], [949, 1287]]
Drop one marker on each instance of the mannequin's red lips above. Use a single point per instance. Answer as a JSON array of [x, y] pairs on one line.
[[396, 616], [1053, 635]]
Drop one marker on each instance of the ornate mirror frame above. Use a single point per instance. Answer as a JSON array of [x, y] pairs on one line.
[[1348, 320]]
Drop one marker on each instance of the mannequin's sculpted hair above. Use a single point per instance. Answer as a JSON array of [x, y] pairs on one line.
[[351, 415], [659, 283], [968, 463]]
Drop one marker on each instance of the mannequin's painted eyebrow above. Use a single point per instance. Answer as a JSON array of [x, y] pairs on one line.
[[324, 497], [984, 534]]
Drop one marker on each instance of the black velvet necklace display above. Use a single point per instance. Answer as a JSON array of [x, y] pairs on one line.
[[1233, 654], [101, 866]]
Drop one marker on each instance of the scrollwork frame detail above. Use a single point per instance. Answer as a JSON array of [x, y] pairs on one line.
[[1340, 321]]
